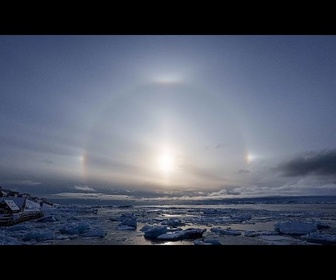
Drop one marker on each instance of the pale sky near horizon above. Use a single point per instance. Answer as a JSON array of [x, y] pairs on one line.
[[213, 115]]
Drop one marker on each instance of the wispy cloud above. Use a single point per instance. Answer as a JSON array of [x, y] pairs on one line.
[[225, 192], [243, 171], [218, 146], [309, 186], [84, 188], [20, 182], [214, 147]]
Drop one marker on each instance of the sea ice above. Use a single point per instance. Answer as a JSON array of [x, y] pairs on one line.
[[154, 231], [39, 235], [206, 242], [71, 229], [97, 232], [70, 221], [47, 219], [189, 233], [320, 238], [295, 227], [241, 218], [8, 240], [219, 230], [128, 222], [251, 233], [173, 222]]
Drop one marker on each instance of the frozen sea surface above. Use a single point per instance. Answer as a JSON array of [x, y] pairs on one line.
[[221, 224]]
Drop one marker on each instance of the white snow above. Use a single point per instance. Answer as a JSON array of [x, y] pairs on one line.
[[32, 205]]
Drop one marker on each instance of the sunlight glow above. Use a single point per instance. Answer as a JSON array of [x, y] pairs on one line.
[[251, 158], [166, 161], [166, 78]]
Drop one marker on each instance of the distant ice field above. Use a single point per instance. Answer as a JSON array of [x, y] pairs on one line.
[[261, 223]]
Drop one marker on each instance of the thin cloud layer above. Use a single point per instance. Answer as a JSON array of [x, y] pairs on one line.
[[20, 182], [100, 196], [104, 114]]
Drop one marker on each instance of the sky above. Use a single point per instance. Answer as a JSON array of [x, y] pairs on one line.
[[168, 116]]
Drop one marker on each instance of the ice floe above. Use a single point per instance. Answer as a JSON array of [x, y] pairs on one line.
[[320, 238], [223, 231], [206, 242], [295, 227], [189, 233]]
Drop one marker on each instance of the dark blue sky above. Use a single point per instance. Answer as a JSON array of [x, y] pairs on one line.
[[195, 115]]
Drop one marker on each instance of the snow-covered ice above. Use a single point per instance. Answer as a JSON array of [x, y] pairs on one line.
[[206, 242], [205, 224], [155, 231], [227, 231], [320, 238], [128, 222], [295, 227], [189, 233]]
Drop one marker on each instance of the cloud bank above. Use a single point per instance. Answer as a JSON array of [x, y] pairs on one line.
[[313, 163]]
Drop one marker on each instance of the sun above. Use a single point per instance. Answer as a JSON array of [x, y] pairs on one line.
[[166, 161], [251, 158]]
